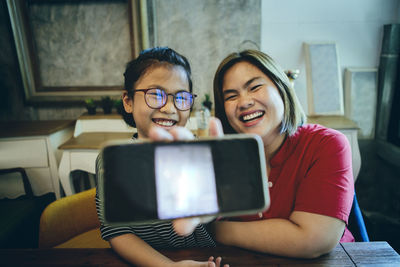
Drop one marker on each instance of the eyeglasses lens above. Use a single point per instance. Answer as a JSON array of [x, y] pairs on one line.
[[156, 98], [183, 100]]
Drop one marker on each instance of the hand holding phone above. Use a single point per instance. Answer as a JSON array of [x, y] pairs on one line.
[[186, 226], [163, 201]]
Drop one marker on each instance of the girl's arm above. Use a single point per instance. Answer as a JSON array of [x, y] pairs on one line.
[[304, 235], [136, 251]]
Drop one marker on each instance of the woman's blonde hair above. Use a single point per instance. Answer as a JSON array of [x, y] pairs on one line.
[[293, 116]]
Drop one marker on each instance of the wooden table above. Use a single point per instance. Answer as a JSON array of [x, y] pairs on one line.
[[346, 254], [80, 153], [33, 145]]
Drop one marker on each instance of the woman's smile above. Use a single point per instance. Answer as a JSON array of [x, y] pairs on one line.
[[251, 118]]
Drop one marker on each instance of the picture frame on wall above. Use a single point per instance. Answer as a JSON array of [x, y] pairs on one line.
[[324, 86], [72, 50], [360, 87]]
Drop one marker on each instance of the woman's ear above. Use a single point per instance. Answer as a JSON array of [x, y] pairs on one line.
[[127, 102]]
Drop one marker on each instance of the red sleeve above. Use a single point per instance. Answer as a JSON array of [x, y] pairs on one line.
[[328, 186]]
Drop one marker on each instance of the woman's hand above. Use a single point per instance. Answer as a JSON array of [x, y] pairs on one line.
[[215, 128], [186, 226], [209, 263]]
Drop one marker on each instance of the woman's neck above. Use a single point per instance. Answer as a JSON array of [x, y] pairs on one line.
[[272, 144], [271, 147]]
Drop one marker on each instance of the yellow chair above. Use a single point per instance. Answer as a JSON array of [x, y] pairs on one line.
[[71, 222]]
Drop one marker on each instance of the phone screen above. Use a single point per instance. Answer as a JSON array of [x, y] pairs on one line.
[[150, 181], [185, 181]]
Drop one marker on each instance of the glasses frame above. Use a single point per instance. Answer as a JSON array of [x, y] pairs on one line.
[[173, 96]]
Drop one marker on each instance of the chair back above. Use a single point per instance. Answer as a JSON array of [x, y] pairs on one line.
[[68, 217], [356, 223], [356, 219]]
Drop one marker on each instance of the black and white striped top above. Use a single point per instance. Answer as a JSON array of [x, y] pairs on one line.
[[156, 234]]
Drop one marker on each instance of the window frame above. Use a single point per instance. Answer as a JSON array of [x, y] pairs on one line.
[[140, 13]]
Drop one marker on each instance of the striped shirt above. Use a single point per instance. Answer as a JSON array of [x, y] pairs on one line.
[[157, 234]]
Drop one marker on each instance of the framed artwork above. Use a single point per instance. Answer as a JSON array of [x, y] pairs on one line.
[[72, 50], [360, 86], [324, 86]]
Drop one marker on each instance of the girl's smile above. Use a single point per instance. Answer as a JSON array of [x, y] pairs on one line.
[[164, 122]]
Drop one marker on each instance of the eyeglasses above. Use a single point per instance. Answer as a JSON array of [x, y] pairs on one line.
[[157, 98]]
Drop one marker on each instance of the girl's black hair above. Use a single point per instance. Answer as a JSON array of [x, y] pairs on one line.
[[146, 59]]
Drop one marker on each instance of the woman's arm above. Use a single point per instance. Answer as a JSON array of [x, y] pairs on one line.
[[136, 251], [304, 235]]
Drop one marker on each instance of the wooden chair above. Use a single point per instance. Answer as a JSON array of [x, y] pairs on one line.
[[71, 222]]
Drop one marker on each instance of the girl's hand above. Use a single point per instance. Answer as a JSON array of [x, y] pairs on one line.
[[209, 263], [217, 262], [175, 134], [181, 133], [186, 226]]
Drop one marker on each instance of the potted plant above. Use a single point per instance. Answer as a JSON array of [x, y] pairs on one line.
[[207, 101], [90, 106], [118, 105], [106, 103]]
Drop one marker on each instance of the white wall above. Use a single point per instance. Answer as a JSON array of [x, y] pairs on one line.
[[355, 25]]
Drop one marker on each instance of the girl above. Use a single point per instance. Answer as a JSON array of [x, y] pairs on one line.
[[158, 93], [309, 166]]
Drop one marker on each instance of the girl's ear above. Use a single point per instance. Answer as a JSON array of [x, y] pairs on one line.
[[127, 101]]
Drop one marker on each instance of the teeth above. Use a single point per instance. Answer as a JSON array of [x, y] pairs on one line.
[[165, 123], [252, 116]]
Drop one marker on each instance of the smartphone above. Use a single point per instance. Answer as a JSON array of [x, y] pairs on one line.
[[150, 181]]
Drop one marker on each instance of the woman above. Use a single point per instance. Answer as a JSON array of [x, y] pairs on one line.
[[309, 166]]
